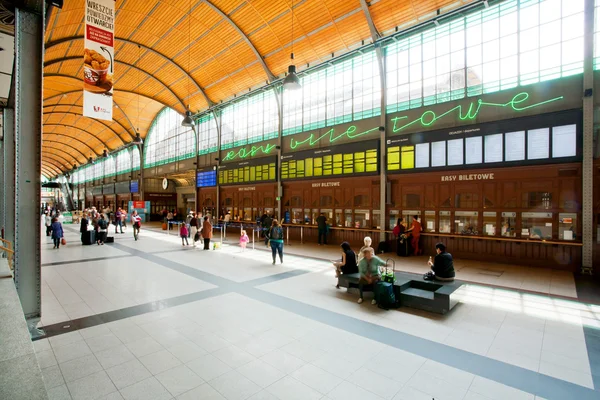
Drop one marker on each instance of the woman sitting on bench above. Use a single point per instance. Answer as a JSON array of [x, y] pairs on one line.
[[348, 264], [369, 270]]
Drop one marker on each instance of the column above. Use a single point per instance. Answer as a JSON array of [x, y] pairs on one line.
[[141, 174], [279, 98], [29, 46], [8, 203], [588, 140]]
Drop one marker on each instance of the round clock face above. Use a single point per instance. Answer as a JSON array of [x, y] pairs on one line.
[[165, 184]]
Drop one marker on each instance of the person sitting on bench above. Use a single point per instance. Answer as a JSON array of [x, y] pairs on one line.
[[368, 241], [347, 265], [442, 267], [369, 270]]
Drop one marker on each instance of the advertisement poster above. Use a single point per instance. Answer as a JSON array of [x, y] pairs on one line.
[[98, 59]]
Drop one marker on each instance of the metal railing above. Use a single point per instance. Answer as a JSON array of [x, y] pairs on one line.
[[8, 252]]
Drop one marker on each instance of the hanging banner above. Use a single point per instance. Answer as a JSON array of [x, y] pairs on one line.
[[98, 59]]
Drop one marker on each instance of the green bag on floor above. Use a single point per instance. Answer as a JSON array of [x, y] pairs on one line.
[[389, 275]]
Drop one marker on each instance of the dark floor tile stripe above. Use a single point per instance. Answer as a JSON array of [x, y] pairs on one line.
[[111, 316], [277, 277], [85, 260]]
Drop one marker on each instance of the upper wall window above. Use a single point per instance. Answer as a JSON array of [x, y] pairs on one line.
[[347, 91], [510, 44], [209, 137], [167, 140]]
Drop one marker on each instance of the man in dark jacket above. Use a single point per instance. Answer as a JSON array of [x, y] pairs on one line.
[[442, 266], [322, 227]]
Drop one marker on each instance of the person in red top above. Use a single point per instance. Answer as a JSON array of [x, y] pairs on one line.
[[415, 231], [136, 221]]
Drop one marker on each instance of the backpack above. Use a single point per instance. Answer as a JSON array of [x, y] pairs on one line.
[[102, 224], [276, 233]]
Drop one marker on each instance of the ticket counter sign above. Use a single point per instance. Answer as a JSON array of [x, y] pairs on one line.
[[98, 59]]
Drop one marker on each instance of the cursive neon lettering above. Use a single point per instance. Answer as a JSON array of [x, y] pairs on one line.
[[245, 153], [350, 133]]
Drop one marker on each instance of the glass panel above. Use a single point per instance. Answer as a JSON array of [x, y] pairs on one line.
[[567, 226], [429, 225], [489, 223], [538, 144], [564, 141], [297, 216], [361, 218], [339, 218], [465, 222], [536, 225], [509, 224], [393, 219], [348, 218], [445, 225]]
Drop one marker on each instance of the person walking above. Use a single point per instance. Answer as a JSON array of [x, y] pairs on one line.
[[194, 225], [266, 226], [243, 240], [207, 232], [322, 227], [136, 221], [188, 221], [48, 223], [275, 238], [83, 228], [57, 232], [183, 232], [170, 220], [118, 220]]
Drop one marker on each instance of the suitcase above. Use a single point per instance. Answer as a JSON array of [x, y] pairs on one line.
[[164, 227], [384, 295], [110, 239], [88, 238]]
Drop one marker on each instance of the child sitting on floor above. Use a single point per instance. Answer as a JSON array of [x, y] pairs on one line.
[[243, 240]]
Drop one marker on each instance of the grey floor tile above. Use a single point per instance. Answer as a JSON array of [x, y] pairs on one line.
[[160, 361], [208, 367], [233, 356], [144, 347], [59, 393], [179, 380], [187, 351], [77, 369], [261, 373], [102, 342], [65, 339], [314, 377], [148, 389], [91, 387], [291, 389], [71, 351], [128, 373], [46, 358], [114, 356], [234, 386], [204, 392], [52, 377]]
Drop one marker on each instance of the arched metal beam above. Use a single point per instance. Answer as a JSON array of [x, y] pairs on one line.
[[65, 144], [56, 156], [118, 90], [93, 119], [372, 28], [52, 162], [73, 138], [80, 113], [48, 145], [270, 76], [81, 129], [80, 37], [51, 62]]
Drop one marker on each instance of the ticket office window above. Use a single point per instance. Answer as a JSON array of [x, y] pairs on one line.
[[466, 222], [445, 225], [509, 224], [536, 225], [489, 223], [567, 226], [314, 216], [306, 216], [409, 215], [339, 218], [429, 223], [348, 218], [376, 222], [297, 216], [328, 214], [361, 218]]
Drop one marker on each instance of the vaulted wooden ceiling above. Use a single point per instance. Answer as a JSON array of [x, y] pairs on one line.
[[235, 45]]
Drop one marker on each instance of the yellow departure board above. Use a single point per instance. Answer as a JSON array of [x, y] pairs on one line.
[[334, 161], [248, 174], [400, 157]]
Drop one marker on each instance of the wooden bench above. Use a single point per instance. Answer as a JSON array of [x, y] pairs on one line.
[[413, 291]]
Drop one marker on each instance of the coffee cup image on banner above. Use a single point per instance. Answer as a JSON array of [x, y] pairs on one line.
[[96, 72]]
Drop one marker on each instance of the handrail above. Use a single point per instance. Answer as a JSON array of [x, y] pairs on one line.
[[11, 252]]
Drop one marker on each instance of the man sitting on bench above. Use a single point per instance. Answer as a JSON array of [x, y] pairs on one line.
[[442, 267], [369, 270]]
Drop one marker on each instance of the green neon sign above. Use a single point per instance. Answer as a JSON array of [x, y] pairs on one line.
[[244, 153], [330, 135], [429, 117]]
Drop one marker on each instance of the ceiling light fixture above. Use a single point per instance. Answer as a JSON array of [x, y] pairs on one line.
[[105, 154], [91, 160], [188, 122], [291, 81]]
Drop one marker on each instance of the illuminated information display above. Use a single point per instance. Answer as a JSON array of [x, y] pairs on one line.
[[513, 142], [206, 178], [251, 171], [347, 159]]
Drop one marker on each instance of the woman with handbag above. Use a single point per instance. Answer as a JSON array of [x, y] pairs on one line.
[[275, 238], [401, 239], [194, 229], [136, 220], [57, 233]]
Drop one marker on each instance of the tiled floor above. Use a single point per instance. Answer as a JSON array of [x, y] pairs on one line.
[[284, 332]]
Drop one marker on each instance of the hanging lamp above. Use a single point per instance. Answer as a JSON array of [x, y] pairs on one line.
[[188, 122], [291, 81]]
